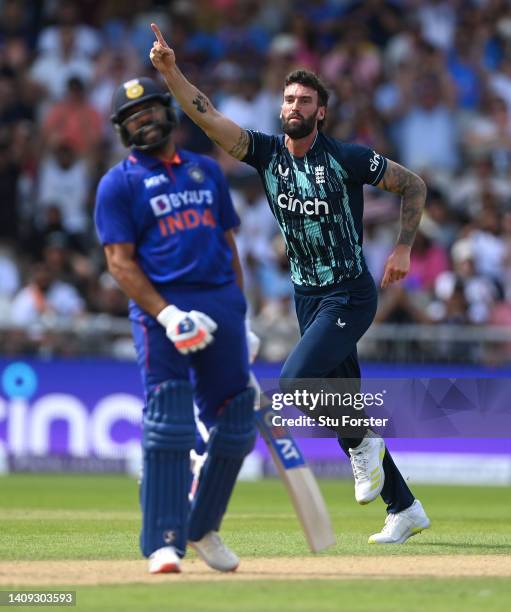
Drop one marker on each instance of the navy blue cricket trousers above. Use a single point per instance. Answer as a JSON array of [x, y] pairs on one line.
[[332, 320], [218, 372]]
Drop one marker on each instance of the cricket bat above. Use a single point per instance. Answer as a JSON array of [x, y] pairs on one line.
[[301, 484]]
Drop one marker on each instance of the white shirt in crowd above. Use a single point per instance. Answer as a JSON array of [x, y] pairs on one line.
[[67, 189]]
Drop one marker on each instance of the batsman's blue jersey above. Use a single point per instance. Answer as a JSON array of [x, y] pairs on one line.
[[174, 213], [318, 203]]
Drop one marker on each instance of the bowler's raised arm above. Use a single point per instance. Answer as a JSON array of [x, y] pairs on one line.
[[224, 132]]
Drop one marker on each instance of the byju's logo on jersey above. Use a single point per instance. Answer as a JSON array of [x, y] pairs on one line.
[[161, 205], [155, 180], [307, 207], [164, 203]]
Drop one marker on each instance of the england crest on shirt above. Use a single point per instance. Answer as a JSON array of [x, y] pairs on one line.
[[319, 175]]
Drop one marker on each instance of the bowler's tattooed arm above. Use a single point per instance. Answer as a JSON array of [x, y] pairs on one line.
[[201, 103], [412, 189], [239, 150], [224, 132]]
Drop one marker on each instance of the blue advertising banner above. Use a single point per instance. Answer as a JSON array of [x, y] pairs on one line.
[[82, 410]]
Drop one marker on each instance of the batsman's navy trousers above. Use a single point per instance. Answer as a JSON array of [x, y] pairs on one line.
[[218, 372], [332, 320]]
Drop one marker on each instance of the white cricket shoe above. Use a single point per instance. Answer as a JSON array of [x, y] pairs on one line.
[[164, 561], [215, 553], [366, 461], [402, 525]]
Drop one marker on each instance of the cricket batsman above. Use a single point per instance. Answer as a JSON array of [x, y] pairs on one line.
[[166, 220], [314, 186]]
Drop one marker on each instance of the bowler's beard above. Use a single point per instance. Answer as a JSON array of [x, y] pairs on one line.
[[301, 128]]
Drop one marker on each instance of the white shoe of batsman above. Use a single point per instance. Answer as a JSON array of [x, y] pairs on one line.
[[366, 461], [215, 553], [189, 331], [402, 525], [164, 561]]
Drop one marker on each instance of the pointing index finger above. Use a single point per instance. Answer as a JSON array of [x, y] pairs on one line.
[[158, 34]]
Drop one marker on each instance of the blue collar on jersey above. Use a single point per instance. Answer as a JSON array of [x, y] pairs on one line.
[[149, 161]]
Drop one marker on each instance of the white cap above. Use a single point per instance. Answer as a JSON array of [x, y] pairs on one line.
[[462, 250]]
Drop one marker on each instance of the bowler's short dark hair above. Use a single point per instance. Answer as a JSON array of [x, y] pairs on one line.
[[310, 79]]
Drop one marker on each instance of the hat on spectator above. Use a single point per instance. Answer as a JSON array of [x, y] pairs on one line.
[[462, 250]]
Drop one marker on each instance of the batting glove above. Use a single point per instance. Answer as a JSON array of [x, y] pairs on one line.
[[189, 331], [253, 342]]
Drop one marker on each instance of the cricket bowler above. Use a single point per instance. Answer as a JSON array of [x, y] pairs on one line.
[[314, 186]]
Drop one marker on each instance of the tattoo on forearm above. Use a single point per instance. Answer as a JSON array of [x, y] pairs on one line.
[[201, 102], [413, 190], [241, 147]]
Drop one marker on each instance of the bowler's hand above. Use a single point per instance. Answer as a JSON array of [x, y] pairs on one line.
[[397, 265], [189, 331], [161, 55]]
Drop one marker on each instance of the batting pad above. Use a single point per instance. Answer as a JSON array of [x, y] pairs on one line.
[[167, 438], [230, 441]]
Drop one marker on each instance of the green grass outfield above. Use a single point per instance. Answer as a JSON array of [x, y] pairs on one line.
[[91, 517]]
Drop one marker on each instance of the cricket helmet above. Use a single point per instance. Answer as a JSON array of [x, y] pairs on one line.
[[131, 94]]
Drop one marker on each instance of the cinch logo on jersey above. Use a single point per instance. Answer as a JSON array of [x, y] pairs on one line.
[[309, 207], [374, 162]]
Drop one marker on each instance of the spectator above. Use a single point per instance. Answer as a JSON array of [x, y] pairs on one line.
[[354, 55], [74, 121], [439, 212], [488, 246], [64, 183], [428, 259], [86, 41], [430, 122], [251, 106], [255, 234], [489, 133], [464, 65], [52, 70], [438, 22], [479, 292], [44, 298]]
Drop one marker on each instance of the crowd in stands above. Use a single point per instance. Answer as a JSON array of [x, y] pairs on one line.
[[426, 83]]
